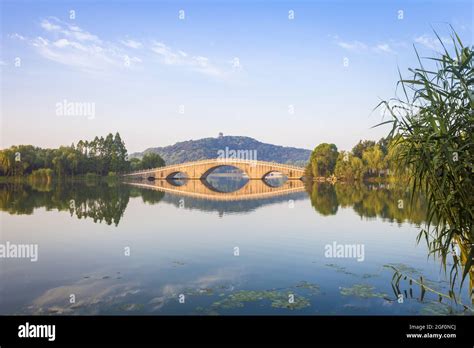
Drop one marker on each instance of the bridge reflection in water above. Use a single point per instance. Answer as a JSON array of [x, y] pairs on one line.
[[253, 189]]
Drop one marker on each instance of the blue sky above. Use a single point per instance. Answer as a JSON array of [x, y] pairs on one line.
[[237, 67]]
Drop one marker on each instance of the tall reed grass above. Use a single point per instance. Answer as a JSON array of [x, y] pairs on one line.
[[432, 133]]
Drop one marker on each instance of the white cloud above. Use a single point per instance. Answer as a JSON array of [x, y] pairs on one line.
[[72, 46], [72, 53], [59, 27], [65, 43], [131, 43], [431, 42], [384, 48], [361, 47], [180, 58], [17, 37], [167, 55], [82, 35], [48, 26], [355, 46]]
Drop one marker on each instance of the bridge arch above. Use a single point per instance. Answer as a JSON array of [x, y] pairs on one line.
[[216, 167], [273, 171], [274, 181], [178, 174]]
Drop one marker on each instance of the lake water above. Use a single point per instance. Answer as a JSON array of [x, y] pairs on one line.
[[222, 247]]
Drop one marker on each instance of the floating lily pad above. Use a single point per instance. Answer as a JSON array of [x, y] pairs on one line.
[[278, 299], [361, 290], [313, 288], [339, 269], [199, 291], [300, 302]]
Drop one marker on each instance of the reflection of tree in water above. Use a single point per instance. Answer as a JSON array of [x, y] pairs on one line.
[[150, 196], [99, 201], [391, 204], [18, 199], [323, 198]]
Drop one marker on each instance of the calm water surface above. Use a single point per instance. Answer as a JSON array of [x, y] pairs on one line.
[[221, 246]]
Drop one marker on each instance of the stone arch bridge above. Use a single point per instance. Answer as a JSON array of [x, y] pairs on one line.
[[201, 169]]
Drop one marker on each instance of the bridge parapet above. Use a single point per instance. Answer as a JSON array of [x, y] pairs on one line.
[[200, 169]]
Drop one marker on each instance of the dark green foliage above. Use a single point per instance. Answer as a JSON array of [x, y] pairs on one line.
[[152, 160], [349, 167], [362, 146], [323, 160], [99, 156], [367, 160]]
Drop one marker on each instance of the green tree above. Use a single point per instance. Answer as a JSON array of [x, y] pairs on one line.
[[349, 167], [323, 160], [373, 158], [152, 160], [121, 164], [98, 156], [135, 164], [7, 158], [361, 146]]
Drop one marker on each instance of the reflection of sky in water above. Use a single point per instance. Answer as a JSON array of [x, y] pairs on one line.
[[189, 251]]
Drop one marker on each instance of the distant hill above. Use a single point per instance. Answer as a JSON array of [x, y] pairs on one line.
[[193, 150]]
